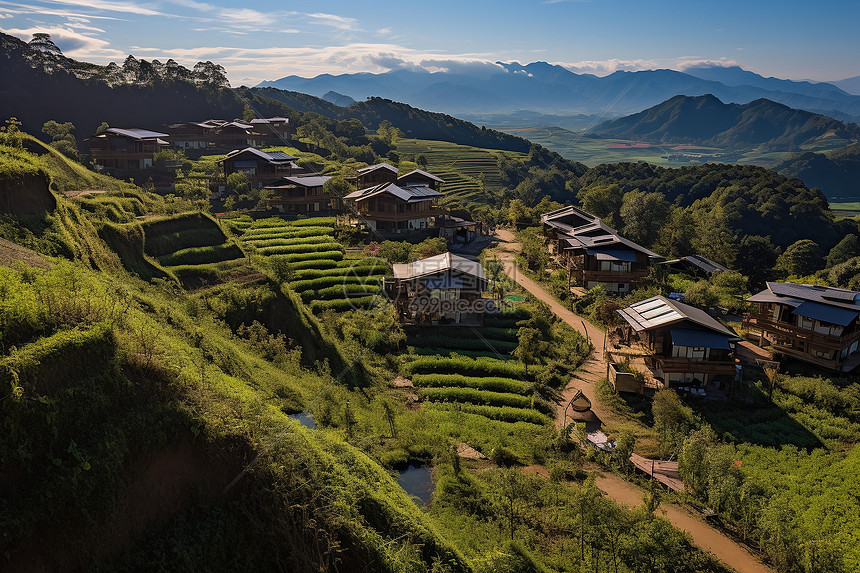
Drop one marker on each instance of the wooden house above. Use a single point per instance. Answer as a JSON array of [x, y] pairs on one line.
[[271, 130], [116, 150], [418, 177], [686, 346], [300, 194], [593, 252], [390, 208], [444, 289], [695, 266], [260, 167], [374, 175], [813, 323]]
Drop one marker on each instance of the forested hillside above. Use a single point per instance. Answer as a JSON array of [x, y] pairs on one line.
[[835, 173]]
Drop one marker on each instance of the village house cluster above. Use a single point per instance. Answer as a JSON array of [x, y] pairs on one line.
[[683, 346]]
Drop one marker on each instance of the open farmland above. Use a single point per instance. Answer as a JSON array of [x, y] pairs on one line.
[[314, 263]]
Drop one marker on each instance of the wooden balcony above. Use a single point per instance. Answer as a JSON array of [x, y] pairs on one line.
[[612, 276], [399, 217], [767, 324], [681, 365]]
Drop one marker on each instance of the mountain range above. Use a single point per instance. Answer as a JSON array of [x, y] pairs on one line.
[[552, 89], [706, 121]]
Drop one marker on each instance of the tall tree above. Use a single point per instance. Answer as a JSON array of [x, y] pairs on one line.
[[802, 258], [643, 215]]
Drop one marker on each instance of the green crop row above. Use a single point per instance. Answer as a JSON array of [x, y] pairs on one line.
[[502, 414], [493, 384], [324, 282], [343, 304], [483, 344], [160, 245], [314, 221], [454, 352], [368, 271], [300, 257], [287, 232], [203, 255], [301, 248], [263, 243], [474, 396], [312, 264], [339, 292], [468, 366]]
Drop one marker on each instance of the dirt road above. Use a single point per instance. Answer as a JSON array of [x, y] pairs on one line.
[[624, 493]]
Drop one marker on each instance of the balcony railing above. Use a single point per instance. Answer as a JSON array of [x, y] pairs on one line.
[[613, 276], [765, 322], [679, 365]]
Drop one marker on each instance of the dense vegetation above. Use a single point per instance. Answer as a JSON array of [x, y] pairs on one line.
[[834, 173]]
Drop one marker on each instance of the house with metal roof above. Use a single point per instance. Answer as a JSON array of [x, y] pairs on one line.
[[813, 323], [686, 346], [374, 175], [299, 194], [695, 266], [421, 177], [593, 252], [390, 208], [117, 150], [444, 289], [260, 167]]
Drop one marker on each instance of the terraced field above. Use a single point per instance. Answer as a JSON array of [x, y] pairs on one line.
[[470, 370], [460, 166], [193, 247], [317, 268]]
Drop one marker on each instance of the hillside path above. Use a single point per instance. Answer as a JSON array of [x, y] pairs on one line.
[[704, 536]]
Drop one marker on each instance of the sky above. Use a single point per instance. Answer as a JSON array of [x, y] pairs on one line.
[[267, 40]]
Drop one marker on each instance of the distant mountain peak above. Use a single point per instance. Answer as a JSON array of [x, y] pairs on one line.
[[43, 43]]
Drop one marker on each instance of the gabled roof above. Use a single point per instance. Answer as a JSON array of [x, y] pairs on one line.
[[659, 311], [704, 264], [371, 168], [135, 133], [278, 157], [408, 193], [437, 264], [269, 120], [301, 181], [581, 230], [794, 294], [419, 174]]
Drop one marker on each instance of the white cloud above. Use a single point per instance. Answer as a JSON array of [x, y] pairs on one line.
[[18, 9], [606, 67], [115, 6], [383, 31], [73, 44], [340, 22]]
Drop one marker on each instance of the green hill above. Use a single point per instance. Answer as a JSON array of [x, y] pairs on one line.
[[835, 173], [706, 121]]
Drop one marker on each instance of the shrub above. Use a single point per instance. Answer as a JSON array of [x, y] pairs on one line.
[[502, 414], [467, 366], [301, 248], [203, 255], [473, 396], [493, 384]]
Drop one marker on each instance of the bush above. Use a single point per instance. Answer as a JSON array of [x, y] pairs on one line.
[[342, 305], [467, 366], [474, 396], [300, 248], [502, 414], [203, 255], [261, 243], [493, 384]]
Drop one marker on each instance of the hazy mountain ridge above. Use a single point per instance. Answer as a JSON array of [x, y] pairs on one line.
[[706, 121], [547, 88]]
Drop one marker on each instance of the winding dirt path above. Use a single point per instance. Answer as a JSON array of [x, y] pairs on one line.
[[704, 536]]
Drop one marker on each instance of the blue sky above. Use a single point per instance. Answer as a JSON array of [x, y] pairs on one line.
[[260, 40]]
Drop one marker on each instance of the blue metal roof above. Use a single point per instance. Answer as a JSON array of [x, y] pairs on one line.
[[699, 338], [826, 313], [613, 255]]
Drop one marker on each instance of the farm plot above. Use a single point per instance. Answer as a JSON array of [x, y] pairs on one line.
[[466, 371], [317, 268], [193, 247]]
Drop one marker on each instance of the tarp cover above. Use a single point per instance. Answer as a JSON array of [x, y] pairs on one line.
[[699, 338], [826, 313]]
